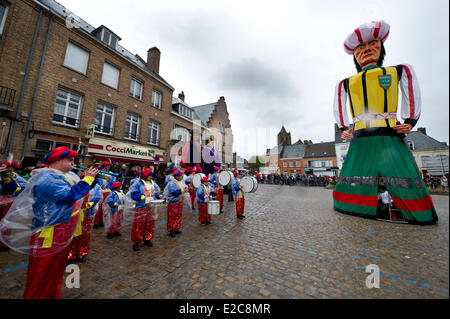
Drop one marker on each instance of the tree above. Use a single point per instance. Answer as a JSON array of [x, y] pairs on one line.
[[255, 163]]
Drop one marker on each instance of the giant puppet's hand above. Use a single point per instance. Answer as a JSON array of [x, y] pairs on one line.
[[403, 128], [347, 135]]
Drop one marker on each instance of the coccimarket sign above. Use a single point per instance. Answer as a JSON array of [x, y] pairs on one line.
[[112, 148]]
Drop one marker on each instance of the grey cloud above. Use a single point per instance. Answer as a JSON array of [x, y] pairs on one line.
[[254, 77]]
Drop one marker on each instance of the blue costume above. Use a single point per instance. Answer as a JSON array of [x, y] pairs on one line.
[[137, 191], [174, 191], [54, 196], [114, 200], [201, 193], [214, 180], [94, 198]]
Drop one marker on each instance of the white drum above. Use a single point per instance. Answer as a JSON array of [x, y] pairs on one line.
[[249, 184], [213, 207], [197, 180], [225, 178]]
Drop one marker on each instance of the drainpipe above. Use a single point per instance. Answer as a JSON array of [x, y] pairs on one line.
[[36, 88], [24, 82]]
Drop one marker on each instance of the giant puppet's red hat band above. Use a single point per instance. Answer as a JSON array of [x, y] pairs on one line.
[[366, 32], [59, 153]]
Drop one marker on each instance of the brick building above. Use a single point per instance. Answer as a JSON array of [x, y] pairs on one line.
[[58, 77], [215, 116]]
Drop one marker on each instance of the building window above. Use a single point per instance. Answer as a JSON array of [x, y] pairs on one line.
[[132, 124], [76, 58], [67, 108], [3, 14], [156, 99], [104, 119], [110, 75], [136, 89], [183, 134], [411, 146], [297, 164], [153, 133], [284, 164], [291, 163], [108, 38]]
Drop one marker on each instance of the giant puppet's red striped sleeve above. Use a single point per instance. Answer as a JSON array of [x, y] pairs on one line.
[[411, 98], [339, 106]]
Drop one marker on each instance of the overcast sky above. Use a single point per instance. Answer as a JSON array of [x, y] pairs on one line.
[[278, 62]]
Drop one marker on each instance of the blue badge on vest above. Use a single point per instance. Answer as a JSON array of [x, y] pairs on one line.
[[385, 81]]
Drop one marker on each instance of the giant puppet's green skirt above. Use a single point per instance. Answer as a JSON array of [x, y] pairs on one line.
[[370, 158]]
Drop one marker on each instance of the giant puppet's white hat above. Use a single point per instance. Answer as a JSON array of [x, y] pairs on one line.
[[366, 32]]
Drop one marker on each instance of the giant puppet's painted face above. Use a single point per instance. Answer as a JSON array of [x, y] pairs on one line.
[[368, 53]]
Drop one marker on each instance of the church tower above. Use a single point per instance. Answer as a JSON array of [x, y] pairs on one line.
[[284, 138]]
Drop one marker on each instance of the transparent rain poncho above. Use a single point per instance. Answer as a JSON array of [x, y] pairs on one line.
[[43, 218]]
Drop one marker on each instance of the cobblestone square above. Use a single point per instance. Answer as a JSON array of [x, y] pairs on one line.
[[291, 245]]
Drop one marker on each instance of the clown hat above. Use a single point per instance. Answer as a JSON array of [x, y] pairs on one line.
[[116, 185], [216, 168], [12, 164], [60, 153], [146, 173], [104, 164], [189, 169], [177, 173], [366, 32], [205, 179]]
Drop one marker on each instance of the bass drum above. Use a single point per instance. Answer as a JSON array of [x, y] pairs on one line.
[[197, 180], [225, 178], [249, 184]]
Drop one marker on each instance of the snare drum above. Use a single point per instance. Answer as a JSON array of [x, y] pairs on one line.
[[157, 203], [249, 184], [225, 178], [213, 207], [197, 180]]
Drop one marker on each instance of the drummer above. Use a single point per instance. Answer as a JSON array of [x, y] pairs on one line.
[[143, 191], [204, 193], [214, 180], [238, 195], [188, 180], [115, 200], [176, 190], [169, 174]]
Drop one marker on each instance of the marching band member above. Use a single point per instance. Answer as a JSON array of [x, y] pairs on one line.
[[56, 211], [81, 243], [377, 148], [11, 183], [169, 173], [176, 191], [204, 193], [218, 188], [115, 201], [239, 196], [105, 183], [188, 180], [142, 191]]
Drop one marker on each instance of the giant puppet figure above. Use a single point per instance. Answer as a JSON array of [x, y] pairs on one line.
[[377, 150]]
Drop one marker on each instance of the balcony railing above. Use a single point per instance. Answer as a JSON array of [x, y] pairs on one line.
[[7, 96], [64, 120]]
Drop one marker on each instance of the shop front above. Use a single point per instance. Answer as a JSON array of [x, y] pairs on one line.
[[124, 153]]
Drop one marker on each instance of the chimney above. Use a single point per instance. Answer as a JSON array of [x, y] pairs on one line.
[[422, 130], [181, 96], [153, 57]]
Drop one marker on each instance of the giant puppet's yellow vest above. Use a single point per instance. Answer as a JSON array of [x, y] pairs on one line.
[[373, 97]]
